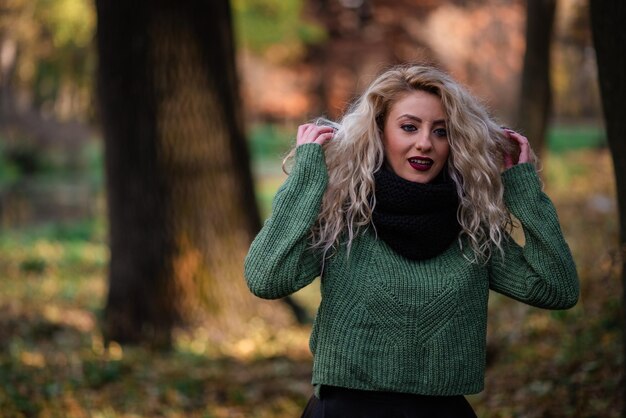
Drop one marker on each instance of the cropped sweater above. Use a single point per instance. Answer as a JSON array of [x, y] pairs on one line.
[[392, 324]]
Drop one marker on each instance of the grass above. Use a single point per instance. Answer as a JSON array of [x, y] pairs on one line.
[[541, 364]]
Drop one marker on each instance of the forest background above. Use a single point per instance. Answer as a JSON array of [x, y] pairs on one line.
[[230, 355]]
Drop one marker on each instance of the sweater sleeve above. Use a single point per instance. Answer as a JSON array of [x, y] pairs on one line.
[[280, 260], [542, 273]]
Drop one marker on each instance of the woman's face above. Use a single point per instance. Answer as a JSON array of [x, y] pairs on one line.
[[415, 137]]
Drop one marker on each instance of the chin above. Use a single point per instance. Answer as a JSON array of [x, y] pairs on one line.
[[418, 178]]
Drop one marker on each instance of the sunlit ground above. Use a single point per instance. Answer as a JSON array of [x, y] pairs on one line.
[[53, 362]]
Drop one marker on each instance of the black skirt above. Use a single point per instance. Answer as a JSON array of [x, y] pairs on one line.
[[336, 402]]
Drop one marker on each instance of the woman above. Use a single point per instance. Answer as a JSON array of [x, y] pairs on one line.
[[403, 209]]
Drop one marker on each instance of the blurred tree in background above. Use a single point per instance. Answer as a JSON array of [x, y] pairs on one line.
[[609, 39], [181, 203], [535, 102]]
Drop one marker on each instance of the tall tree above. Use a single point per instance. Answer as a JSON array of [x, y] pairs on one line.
[[535, 94], [180, 196], [609, 39]]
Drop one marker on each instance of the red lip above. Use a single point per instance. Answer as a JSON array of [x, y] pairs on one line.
[[420, 163]]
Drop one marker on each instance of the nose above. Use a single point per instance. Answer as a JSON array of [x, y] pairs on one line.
[[423, 142]]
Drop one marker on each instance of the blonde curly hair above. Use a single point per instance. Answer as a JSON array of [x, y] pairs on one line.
[[356, 152]]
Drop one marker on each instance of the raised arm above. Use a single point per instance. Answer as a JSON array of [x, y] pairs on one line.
[[542, 272], [280, 260]]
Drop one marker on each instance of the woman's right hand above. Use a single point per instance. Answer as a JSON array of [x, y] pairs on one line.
[[311, 133]]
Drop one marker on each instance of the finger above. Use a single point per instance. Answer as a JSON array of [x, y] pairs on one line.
[[303, 134], [311, 133], [323, 129], [522, 142], [302, 128], [524, 154], [524, 147], [324, 137]]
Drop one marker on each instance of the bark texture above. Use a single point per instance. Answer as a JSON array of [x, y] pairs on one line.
[[609, 38], [180, 198], [535, 94]]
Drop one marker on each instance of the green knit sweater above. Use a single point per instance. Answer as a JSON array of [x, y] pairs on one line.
[[392, 324]]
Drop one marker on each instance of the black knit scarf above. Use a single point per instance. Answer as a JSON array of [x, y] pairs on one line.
[[418, 221]]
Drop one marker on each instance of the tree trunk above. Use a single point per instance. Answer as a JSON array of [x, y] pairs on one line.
[[181, 205], [609, 39], [535, 94]]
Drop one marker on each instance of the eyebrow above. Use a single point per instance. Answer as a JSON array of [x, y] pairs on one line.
[[415, 118]]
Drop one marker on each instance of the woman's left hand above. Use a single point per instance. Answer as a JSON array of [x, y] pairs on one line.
[[524, 147]]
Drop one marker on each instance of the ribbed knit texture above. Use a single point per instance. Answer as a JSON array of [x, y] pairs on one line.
[[389, 323]]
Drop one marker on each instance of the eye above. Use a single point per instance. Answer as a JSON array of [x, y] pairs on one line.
[[407, 127], [441, 132]]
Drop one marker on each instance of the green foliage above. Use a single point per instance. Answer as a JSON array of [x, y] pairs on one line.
[[56, 57], [92, 157], [98, 373], [274, 28], [33, 265], [563, 138], [69, 25], [9, 169], [19, 158], [71, 22], [50, 168], [270, 142], [83, 231]]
